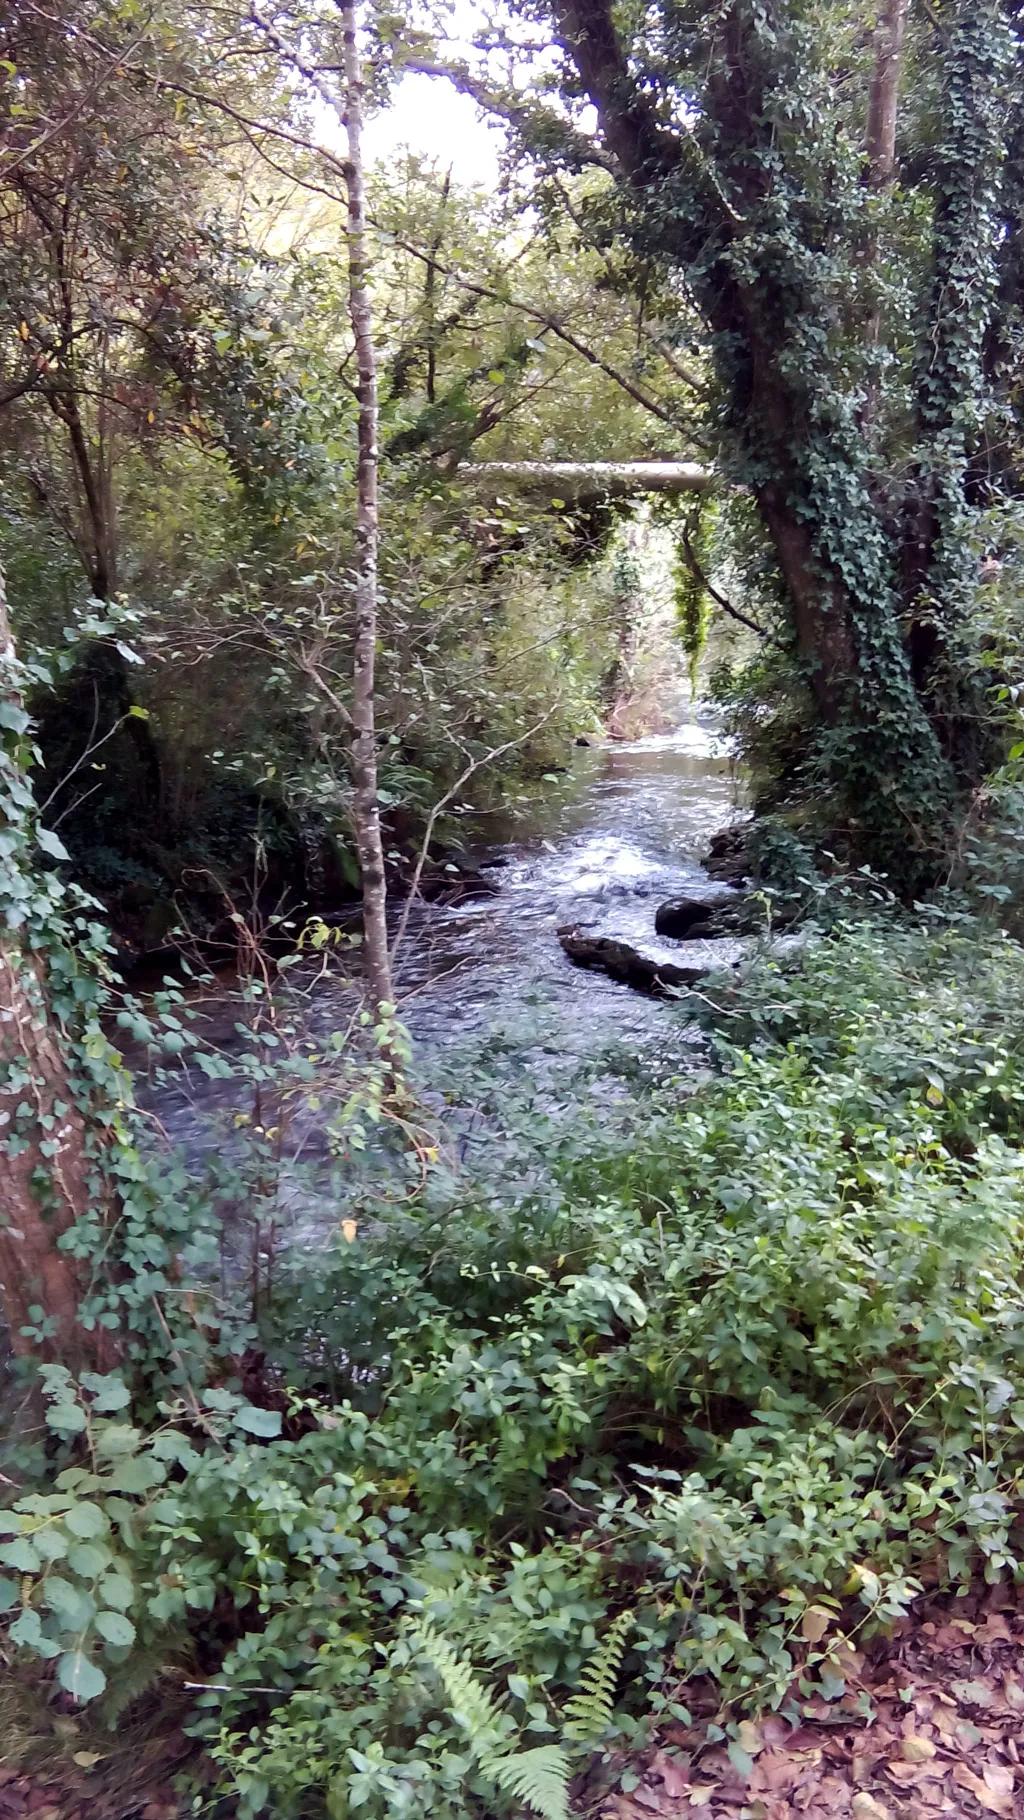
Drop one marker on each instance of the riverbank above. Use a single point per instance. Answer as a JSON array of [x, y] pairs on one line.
[[687, 1404]]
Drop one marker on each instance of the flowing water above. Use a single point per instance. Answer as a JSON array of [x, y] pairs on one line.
[[621, 833], [485, 979]]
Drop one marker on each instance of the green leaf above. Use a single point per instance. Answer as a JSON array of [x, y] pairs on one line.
[[27, 1631], [8, 1594], [66, 1418], [89, 1559], [117, 1589], [85, 1520], [80, 1677], [117, 1440], [137, 1475], [74, 1608], [51, 1543], [53, 845], [114, 1627], [223, 1401], [263, 1422], [22, 1554], [108, 1392], [740, 1759]]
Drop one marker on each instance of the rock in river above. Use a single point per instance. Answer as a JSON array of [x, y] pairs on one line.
[[684, 918], [645, 972]]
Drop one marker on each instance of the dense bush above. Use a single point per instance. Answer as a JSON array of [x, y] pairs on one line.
[[745, 1364]]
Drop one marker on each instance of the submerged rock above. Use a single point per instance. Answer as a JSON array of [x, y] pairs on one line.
[[691, 919], [727, 855], [609, 954]]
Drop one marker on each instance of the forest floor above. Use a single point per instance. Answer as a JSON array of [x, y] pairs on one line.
[[931, 1722]]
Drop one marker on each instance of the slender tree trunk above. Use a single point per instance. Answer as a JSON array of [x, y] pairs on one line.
[[880, 138], [47, 1174], [364, 743]]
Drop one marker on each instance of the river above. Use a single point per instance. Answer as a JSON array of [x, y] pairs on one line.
[[623, 830], [483, 984]]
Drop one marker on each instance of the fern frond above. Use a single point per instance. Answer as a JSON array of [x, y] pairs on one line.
[[471, 1704], [589, 1713], [539, 1777]]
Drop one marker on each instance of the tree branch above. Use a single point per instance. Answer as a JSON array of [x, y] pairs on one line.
[[720, 599]]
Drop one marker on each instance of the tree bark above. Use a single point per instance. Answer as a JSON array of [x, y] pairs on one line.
[[883, 96], [47, 1174], [364, 744]]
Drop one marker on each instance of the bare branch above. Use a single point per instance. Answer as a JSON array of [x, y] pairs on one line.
[[463, 778]]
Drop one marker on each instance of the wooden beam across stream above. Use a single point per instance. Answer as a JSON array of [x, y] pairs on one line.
[[581, 482]]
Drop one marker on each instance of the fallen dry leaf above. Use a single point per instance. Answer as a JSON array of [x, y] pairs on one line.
[[992, 1802], [815, 1622], [647, 1797], [865, 1807], [916, 1749], [674, 1775], [995, 1629], [908, 1775], [999, 1778], [699, 1797], [750, 1737]]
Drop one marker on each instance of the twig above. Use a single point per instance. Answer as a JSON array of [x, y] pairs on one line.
[[719, 599], [442, 803]]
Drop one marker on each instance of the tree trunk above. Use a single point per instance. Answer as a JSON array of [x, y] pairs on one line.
[[364, 743], [47, 1174], [880, 138]]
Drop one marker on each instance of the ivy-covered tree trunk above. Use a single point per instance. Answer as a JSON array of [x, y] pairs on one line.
[[49, 1174], [772, 204]]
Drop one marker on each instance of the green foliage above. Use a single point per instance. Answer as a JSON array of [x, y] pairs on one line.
[[611, 1420], [693, 603]]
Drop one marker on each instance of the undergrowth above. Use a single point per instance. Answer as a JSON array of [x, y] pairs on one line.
[[530, 1454]]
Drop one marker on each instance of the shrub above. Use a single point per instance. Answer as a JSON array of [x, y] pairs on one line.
[[742, 1377]]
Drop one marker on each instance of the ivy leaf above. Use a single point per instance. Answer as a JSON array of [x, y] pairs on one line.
[[79, 1676], [8, 1594], [263, 1422], [53, 845]]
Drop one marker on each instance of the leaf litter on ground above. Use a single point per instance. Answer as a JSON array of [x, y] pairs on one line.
[[930, 1722]]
